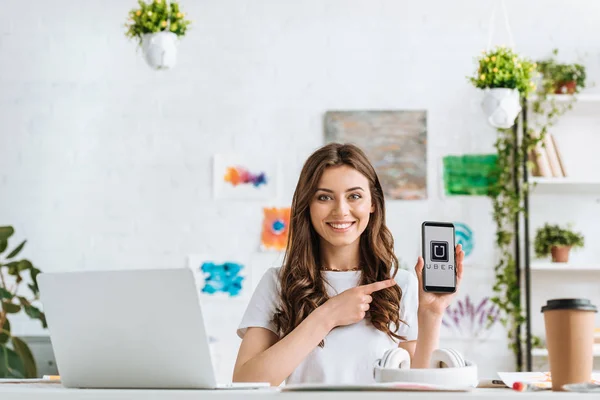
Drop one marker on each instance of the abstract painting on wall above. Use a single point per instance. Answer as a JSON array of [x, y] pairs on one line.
[[245, 178], [275, 228], [394, 141], [219, 277], [471, 174]]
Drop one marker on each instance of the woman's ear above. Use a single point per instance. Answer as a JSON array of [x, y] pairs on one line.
[[372, 208]]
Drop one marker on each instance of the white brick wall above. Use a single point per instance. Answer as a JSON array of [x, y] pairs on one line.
[[105, 163]]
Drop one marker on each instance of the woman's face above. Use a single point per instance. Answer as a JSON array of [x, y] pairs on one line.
[[341, 206]]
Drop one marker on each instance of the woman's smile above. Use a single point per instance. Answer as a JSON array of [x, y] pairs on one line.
[[340, 226]]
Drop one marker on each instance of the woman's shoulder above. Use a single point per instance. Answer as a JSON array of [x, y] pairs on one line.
[[406, 279], [270, 278]]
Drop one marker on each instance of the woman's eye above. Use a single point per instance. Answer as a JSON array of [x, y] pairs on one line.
[[323, 197], [355, 196]]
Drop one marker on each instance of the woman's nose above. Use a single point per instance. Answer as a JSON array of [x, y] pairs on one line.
[[341, 207]]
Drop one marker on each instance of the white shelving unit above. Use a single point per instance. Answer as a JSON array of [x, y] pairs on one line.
[[564, 98], [544, 352], [564, 267], [564, 279], [564, 185]]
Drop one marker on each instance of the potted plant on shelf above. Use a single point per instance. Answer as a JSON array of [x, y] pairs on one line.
[[561, 78], [557, 241], [504, 76], [157, 26], [16, 359]]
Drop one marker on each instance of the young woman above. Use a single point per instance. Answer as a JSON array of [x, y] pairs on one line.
[[339, 301]]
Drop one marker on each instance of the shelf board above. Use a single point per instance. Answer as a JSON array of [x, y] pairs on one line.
[[558, 185], [564, 98], [550, 266], [544, 352]]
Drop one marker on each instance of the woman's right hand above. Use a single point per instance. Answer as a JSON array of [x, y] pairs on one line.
[[350, 306]]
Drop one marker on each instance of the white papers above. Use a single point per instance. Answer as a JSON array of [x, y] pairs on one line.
[[541, 379]]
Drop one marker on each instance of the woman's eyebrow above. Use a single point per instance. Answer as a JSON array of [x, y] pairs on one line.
[[349, 190]]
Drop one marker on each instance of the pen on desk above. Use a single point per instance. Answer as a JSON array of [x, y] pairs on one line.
[[528, 387], [491, 383], [51, 377]]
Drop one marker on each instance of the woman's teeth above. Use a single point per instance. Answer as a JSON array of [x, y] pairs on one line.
[[341, 226]]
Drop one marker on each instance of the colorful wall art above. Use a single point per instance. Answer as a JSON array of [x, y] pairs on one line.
[[472, 174], [244, 177], [464, 237], [275, 228], [219, 277], [394, 141]]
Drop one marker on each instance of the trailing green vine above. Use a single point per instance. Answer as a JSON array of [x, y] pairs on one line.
[[508, 192], [507, 205]]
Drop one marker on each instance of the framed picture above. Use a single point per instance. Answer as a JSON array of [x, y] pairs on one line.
[[394, 141]]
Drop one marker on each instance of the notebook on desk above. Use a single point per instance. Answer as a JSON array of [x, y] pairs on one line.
[[129, 329]]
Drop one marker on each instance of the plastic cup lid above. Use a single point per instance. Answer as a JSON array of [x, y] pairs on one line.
[[569, 304]]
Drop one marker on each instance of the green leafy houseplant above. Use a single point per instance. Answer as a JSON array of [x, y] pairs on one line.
[[561, 78], [501, 67], [550, 236], [556, 78], [156, 16], [16, 359]]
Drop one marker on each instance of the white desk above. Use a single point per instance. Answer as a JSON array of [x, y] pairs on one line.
[[17, 392]]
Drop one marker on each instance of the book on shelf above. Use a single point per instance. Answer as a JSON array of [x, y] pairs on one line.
[[546, 159], [560, 160], [552, 156]]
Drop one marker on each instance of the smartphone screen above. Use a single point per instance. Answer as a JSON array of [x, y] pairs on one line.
[[439, 271]]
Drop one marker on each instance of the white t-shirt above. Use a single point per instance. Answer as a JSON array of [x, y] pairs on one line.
[[350, 351]]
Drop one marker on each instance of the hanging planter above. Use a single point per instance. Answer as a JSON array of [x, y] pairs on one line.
[[157, 26], [505, 77], [160, 49], [501, 106]]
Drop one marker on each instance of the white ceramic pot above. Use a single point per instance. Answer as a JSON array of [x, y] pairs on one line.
[[160, 49], [501, 106]]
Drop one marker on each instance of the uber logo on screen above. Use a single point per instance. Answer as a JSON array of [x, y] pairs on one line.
[[439, 251]]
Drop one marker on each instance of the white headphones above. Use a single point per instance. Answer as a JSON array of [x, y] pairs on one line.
[[441, 358], [447, 367]]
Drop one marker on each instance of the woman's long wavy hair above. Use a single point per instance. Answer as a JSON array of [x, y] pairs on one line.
[[302, 288]]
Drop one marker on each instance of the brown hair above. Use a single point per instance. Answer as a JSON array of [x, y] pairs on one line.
[[302, 286]]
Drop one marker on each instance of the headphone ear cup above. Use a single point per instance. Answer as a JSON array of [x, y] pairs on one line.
[[460, 361], [384, 358], [447, 358], [397, 358]]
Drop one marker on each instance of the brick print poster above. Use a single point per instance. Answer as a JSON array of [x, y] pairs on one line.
[[394, 141]]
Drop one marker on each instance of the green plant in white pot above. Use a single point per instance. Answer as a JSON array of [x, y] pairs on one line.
[[556, 241], [157, 26], [504, 76], [16, 359]]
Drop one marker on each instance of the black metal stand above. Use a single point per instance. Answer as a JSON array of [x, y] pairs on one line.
[[526, 239], [517, 185]]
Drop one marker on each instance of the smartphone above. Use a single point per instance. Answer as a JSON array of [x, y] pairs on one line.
[[438, 247]]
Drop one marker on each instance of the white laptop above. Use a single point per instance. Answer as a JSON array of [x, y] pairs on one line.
[[129, 329]]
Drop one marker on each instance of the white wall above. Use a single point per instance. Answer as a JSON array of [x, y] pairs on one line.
[[105, 163]]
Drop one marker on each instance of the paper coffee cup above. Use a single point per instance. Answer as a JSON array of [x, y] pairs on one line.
[[569, 325]]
